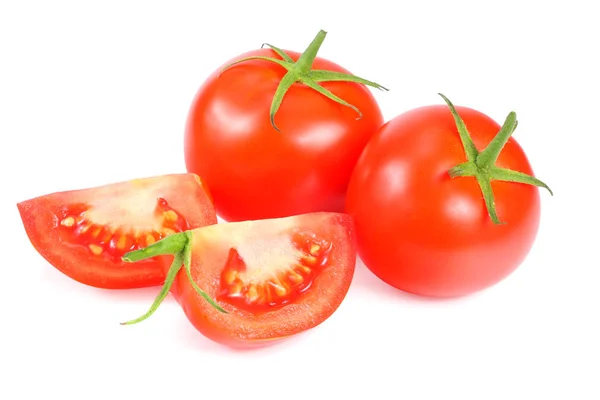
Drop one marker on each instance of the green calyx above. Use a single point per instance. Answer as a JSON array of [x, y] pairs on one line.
[[301, 71], [482, 165], [179, 245]]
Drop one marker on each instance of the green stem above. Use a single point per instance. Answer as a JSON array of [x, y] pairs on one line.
[[301, 72], [179, 245], [164, 291], [305, 61], [481, 165]]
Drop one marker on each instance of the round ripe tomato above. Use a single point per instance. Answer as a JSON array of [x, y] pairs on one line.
[[265, 280], [84, 233], [255, 171], [425, 232]]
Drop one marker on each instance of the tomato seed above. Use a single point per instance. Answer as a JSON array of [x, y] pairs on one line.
[[252, 293], [96, 232], [295, 277], [121, 242], [303, 269], [68, 222], [230, 276], [314, 249], [170, 216], [95, 249], [311, 260], [279, 290]]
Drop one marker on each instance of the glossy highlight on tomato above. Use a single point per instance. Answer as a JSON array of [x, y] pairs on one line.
[[426, 232], [84, 233]]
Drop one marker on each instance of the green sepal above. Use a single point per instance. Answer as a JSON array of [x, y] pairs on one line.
[[279, 52], [481, 165], [301, 71], [180, 246], [187, 262], [465, 138], [508, 175], [164, 291], [321, 75]]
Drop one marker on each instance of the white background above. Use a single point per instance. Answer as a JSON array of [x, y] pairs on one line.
[[96, 94]]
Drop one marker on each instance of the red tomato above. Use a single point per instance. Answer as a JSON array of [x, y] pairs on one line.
[[273, 278], [84, 233], [257, 172], [424, 232]]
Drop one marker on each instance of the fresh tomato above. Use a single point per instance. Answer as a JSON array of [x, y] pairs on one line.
[[265, 279], [435, 213], [84, 233], [278, 133]]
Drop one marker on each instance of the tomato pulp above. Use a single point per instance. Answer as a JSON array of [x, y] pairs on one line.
[[255, 171], [425, 232], [84, 233]]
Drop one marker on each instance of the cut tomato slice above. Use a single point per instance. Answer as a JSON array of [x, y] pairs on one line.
[[84, 233], [264, 279]]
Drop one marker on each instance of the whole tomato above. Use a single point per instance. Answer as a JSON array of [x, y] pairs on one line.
[[276, 133], [444, 201]]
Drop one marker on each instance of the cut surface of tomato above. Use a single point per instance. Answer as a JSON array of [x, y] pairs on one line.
[[260, 280], [84, 233], [274, 277]]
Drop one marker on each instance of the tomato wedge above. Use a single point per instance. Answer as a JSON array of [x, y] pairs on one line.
[[84, 233], [264, 280]]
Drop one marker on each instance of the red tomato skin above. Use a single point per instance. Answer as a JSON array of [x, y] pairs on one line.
[[426, 233], [255, 172]]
